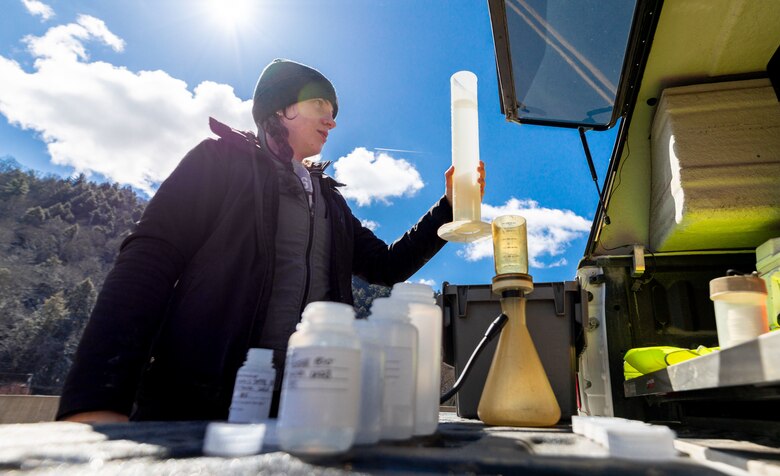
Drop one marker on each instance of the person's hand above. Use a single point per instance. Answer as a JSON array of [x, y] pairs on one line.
[[100, 416], [448, 181]]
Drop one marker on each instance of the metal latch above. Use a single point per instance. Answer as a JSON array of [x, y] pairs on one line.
[[638, 266]]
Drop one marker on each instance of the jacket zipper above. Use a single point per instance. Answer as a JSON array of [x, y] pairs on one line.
[[309, 244], [269, 272]]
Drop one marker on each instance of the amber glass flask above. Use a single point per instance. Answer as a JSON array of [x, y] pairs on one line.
[[517, 391]]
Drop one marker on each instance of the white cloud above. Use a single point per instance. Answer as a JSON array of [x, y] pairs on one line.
[[371, 176], [429, 282], [65, 42], [549, 231], [131, 127], [370, 224], [558, 264], [36, 7]]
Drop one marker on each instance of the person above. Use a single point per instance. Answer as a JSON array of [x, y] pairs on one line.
[[236, 241]]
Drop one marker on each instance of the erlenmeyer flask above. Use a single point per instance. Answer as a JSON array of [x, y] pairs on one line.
[[517, 391]]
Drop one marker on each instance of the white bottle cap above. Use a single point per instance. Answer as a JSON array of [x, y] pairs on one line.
[[730, 288], [258, 356], [328, 312], [413, 292], [233, 439], [388, 309]]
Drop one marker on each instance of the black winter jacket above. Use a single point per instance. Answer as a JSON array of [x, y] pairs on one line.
[[188, 292]]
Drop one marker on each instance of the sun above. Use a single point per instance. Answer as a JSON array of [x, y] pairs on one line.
[[230, 14]]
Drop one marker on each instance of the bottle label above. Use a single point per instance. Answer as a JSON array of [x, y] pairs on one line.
[[399, 384], [252, 396], [321, 387]]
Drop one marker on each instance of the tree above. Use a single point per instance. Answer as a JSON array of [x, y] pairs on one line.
[[61, 210], [80, 301], [17, 185], [52, 333], [35, 216], [364, 294]]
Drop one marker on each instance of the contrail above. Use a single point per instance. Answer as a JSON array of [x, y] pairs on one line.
[[398, 150]]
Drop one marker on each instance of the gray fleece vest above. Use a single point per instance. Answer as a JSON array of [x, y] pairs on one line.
[[302, 261]]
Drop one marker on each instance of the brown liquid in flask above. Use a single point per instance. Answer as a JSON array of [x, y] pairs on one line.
[[517, 391]]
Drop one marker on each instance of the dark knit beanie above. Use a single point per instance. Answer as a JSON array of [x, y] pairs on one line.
[[284, 82]]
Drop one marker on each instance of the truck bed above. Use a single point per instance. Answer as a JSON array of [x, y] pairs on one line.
[[459, 446]]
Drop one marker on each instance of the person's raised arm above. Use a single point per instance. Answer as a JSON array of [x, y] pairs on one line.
[[378, 263], [448, 181]]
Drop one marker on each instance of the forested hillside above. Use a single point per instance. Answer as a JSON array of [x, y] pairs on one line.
[[58, 240]]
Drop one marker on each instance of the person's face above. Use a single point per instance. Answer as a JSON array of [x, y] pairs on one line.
[[308, 123]]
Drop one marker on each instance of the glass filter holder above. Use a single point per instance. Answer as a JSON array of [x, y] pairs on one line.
[[517, 391]]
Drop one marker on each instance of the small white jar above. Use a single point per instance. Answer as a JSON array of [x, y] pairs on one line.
[[740, 308], [254, 387], [426, 316], [320, 400], [400, 344], [372, 382]]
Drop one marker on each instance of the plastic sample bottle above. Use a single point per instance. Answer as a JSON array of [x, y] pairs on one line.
[[400, 344], [320, 400], [372, 382], [740, 308], [254, 387], [426, 317], [517, 391]]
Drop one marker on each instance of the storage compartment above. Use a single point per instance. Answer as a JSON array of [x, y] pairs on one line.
[[552, 315], [669, 306], [715, 163]]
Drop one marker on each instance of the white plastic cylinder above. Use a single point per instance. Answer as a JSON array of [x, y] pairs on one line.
[[372, 373], [740, 309], [400, 345], [466, 196], [426, 317], [253, 390], [320, 400]]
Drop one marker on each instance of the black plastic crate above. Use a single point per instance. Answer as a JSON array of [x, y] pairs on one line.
[[553, 312]]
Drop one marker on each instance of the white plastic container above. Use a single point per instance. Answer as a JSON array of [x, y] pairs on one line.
[[254, 388], [466, 224], [372, 382], [740, 309], [465, 147], [426, 317], [320, 400], [627, 439], [232, 439], [400, 344]]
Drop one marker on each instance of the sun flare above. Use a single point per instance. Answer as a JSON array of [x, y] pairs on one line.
[[230, 14]]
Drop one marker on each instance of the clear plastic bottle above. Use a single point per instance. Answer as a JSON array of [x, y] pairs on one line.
[[426, 316], [320, 401], [400, 343], [254, 387], [372, 382]]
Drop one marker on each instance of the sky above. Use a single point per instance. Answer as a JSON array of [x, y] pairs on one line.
[[121, 90]]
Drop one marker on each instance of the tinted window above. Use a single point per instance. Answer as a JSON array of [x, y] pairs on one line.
[[567, 57]]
